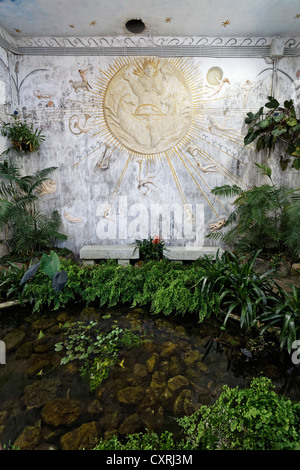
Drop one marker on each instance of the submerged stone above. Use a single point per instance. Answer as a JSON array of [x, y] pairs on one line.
[[14, 338], [130, 395], [152, 362], [83, 438], [177, 382], [183, 404], [28, 439], [158, 381], [38, 393], [130, 425], [61, 411], [168, 348]]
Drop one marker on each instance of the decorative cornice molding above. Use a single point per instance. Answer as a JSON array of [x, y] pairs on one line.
[[145, 45]]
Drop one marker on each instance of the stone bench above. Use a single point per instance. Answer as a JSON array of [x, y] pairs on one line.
[[190, 253], [124, 253]]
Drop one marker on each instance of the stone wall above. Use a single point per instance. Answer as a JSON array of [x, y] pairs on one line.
[[139, 141]]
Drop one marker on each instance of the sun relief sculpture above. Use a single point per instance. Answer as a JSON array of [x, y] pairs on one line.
[[148, 106]]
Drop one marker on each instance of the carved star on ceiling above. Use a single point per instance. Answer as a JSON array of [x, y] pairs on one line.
[[226, 23]]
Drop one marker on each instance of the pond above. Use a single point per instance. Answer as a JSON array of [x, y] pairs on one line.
[[183, 365]]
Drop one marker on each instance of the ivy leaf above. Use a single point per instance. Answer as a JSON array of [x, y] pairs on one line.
[[292, 122], [251, 135], [279, 117], [273, 103], [296, 163], [265, 122], [278, 132]]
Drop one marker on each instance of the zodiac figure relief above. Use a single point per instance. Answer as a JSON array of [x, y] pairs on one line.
[[204, 169], [105, 158], [79, 129], [73, 219], [247, 87], [217, 225], [83, 83], [144, 183], [148, 106], [46, 187], [44, 96], [219, 87], [215, 124]]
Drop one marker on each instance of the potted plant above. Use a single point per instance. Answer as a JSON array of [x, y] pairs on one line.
[[277, 124], [23, 136]]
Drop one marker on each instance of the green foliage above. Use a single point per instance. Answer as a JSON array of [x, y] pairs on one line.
[[140, 441], [164, 286], [25, 229], [22, 135], [265, 217], [285, 315], [254, 418], [50, 266], [239, 288], [97, 350], [10, 283], [151, 248], [276, 124]]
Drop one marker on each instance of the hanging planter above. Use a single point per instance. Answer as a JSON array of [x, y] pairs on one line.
[[23, 136]]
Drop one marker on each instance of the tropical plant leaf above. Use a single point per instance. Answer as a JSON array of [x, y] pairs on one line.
[[50, 264], [59, 280], [29, 273]]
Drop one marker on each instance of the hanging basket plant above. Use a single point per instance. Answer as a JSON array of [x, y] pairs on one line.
[[22, 135], [277, 124]]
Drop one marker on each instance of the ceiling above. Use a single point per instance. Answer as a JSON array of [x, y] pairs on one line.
[[176, 18]]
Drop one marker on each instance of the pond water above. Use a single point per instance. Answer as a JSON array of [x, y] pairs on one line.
[[45, 405]]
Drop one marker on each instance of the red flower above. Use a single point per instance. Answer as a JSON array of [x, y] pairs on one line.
[[156, 240]]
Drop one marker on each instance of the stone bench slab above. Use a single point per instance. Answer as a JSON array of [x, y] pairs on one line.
[[190, 253], [124, 253], [120, 252]]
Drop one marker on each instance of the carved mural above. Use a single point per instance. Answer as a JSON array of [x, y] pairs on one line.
[[134, 135], [148, 106]]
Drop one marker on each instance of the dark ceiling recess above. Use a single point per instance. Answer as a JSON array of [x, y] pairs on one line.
[[135, 26]]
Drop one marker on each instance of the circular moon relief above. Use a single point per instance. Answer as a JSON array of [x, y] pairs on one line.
[[148, 106]]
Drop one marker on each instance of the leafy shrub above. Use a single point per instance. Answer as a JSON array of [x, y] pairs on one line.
[[265, 217], [239, 288], [139, 441], [166, 287], [254, 418], [277, 124], [24, 228], [285, 314], [23, 136]]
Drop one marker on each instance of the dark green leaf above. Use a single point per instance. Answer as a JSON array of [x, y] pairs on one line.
[[59, 280], [273, 103], [29, 273]]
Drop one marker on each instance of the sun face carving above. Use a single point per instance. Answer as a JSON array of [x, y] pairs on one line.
[[148, 106]]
